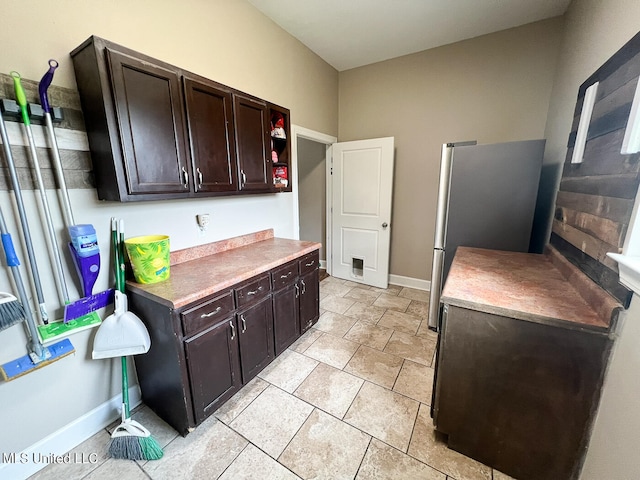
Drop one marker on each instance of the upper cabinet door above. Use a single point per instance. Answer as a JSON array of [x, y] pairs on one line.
[[252, 140], [212, 141], [149, 114]]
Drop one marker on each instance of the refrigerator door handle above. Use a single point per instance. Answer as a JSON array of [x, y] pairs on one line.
[[443, 196], [436, 288]]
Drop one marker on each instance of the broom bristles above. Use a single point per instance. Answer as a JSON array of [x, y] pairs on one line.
[[11, 312], [151, 449], [135, 448]]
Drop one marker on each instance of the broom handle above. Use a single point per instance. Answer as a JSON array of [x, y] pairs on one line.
[[17, 191], [125, 388]]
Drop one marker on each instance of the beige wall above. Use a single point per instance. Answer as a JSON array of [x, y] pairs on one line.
[[594, 31], [312, 198], [493, 88], [226, 40]]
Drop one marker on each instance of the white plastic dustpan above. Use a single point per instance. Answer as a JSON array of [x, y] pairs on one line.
[[121, 334]]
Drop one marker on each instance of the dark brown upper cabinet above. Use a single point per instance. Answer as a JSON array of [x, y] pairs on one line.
[[148, 107], [211, 136], [251, 125], [157, 132]]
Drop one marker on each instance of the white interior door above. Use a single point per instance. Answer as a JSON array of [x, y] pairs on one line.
[[361, 189]]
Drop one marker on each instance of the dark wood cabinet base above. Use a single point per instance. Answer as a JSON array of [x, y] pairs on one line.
[[518, 396], [203, 353]]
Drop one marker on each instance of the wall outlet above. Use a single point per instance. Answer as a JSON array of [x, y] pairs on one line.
[[203, 220]]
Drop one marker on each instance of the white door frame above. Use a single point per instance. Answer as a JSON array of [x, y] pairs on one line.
[[328, 140]]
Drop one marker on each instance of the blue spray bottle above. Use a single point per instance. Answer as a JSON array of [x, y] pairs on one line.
[[86, 255]]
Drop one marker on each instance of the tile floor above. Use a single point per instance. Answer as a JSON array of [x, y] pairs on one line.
[[349, 399]]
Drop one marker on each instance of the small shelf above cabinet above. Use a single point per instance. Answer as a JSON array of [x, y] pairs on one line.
[[158, 132], [280, 148]]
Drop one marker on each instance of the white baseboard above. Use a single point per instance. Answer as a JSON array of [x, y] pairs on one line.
[[323, 264], [409, 282], [69, 436]]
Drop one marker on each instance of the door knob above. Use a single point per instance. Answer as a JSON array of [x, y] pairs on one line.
[[385, 225]]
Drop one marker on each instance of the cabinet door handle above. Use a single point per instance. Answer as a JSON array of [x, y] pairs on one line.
[[304, 287], [207, 315], [310, 264], [253, 292], [244, 178], [244, 324], [286, 276], [199, 177], [233, 330], [297, 291], [185, 177]]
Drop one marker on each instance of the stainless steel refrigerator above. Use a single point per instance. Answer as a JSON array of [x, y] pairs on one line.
[[486, 199]]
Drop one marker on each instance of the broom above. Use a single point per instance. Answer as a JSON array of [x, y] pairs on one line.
[[129, 440], [11, 310]]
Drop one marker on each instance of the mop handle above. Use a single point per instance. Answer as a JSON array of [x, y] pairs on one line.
[[23, 220], [53, 247], [57, 163], [46, 80], [13, 262]]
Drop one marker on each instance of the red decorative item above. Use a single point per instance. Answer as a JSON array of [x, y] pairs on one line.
[[277, 126], [280, 177]]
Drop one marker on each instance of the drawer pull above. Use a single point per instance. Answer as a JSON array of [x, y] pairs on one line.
[[233, 330], [207, 315], [297, 291], [244, 324], [286, 276], [253, 292], [304, 287], [310, 264]]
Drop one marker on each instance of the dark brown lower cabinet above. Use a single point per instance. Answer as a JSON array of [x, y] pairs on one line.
[[309, 300], [203, 353], [286, 327], [517, 395], [214, 367], [255, 337]]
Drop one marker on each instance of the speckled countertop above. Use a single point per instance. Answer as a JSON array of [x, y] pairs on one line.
[[543, 288], [204, 270]]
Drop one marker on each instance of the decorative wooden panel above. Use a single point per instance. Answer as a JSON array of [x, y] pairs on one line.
[[596, 197]]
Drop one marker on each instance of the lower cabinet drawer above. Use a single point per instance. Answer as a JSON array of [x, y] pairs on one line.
[[201, 316], [284, 275], [253, 291], [309, 262]]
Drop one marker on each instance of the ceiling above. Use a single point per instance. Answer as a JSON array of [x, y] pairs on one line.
[[352, 33]]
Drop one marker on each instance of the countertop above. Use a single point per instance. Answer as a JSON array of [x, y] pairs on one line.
[[542, 288], [204, 270]]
